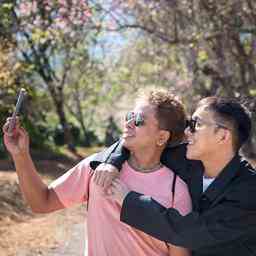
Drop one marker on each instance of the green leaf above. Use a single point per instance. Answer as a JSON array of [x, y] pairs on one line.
[[253, 92], [202, 56]]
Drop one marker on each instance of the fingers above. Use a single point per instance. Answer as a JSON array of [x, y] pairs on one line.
[[106, 181], [104, 174], [5, 128], [117, 183], [91, 172], [96, 174], [118, 187], [18, 133], [108, 178], [99, 172], [11, 125], [23, 133]]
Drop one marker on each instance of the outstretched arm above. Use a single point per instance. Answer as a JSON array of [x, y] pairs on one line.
[[38, 196]]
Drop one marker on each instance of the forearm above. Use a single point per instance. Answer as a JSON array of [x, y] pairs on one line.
[[191, 231], [34, 190]]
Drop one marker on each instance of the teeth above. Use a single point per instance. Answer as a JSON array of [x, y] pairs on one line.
[[190, 142]]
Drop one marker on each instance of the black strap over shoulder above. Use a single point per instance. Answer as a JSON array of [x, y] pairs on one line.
[[173, 187], [173, 194]]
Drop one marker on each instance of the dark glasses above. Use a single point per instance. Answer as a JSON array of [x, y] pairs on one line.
[[192, 124], [137, 118]]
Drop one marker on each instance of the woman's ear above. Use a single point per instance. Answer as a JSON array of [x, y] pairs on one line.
[[164, 137]]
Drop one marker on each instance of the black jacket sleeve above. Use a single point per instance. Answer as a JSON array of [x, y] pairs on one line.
[[225, 222], [116, 155], [173, 157]]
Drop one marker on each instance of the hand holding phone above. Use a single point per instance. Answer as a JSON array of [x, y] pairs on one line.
[[21, 97]]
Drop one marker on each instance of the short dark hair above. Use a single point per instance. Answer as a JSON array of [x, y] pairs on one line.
[[232, 113], [170, 112]]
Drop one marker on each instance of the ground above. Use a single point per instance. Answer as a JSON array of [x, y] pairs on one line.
[[26, 234]]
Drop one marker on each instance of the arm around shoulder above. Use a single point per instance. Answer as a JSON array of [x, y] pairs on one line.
[[223, 223]]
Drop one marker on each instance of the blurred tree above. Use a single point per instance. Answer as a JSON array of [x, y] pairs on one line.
[[209, 44], [212, 44], [47, 32], [112, 132], [86, 78], [51, 44]]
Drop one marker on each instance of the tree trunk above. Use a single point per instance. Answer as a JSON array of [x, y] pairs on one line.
[[58, 99], [68, 138]]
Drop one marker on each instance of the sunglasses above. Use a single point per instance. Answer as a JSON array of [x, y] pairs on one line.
[[193, 124], [137, 118]]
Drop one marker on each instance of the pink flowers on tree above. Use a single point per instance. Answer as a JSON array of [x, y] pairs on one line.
[[59, 14]]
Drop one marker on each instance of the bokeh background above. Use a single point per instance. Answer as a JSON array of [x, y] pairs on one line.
[[82, 62]]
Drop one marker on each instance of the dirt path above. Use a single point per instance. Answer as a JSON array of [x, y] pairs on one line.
[[71, 234], [74, 245], [23, 233], [67, 237]]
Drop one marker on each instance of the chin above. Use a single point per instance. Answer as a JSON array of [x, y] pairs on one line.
[[127, 142]]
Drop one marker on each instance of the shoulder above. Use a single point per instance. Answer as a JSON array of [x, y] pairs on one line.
[[247, 167], [74, 176], [181, 185], [178, 182], [246, 173], [243, 188], [86, 161], [108, 153], [82, 166]]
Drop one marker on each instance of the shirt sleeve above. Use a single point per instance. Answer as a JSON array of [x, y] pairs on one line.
[[223, 223], [73, 186]]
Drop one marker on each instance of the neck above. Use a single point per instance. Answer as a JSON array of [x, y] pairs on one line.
[[214, 166], [145, 161]]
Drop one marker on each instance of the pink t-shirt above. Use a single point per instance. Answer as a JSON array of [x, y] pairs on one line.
[[107, 235]]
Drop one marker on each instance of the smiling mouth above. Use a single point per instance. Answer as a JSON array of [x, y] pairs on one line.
[[127, 135], [190, 142]]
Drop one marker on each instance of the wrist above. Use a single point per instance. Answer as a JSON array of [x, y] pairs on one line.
[[21, 155]]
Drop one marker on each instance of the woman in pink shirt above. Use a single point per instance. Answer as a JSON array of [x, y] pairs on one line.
[[157, 119]]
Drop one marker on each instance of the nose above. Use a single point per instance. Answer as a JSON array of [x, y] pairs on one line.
[[187, 132], [130, 123]]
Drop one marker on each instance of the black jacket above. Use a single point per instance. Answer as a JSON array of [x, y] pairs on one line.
[[223, 220]]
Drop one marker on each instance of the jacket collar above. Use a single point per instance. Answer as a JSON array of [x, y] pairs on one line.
[[223, 179]]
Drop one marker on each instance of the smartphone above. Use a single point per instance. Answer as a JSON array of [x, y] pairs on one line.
[[21, 98]]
